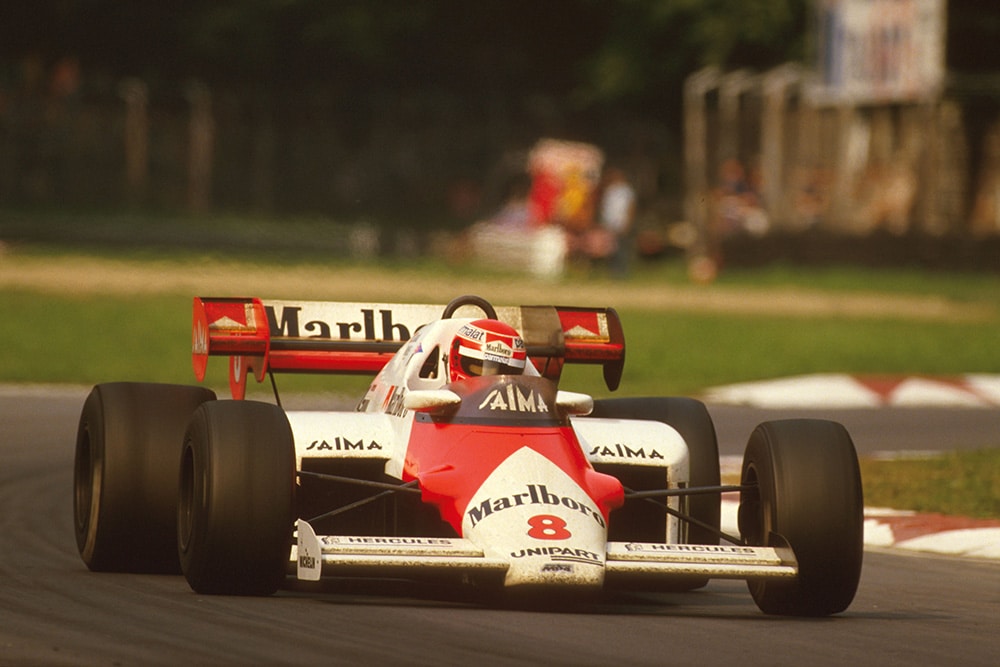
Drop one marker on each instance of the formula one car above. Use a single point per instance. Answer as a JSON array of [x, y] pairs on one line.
[[463, 460]]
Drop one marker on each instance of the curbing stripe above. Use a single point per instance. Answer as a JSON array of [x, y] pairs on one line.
[[841, 390], [909, 531]]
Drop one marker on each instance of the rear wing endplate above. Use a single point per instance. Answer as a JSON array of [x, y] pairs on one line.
[[334, 337]]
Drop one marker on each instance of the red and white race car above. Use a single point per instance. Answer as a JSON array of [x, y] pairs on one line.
[[463, 460]]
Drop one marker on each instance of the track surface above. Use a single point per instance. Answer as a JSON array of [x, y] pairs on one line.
[[909, 609]]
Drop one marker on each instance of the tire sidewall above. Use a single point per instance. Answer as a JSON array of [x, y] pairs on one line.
[[808, 495], [124, 482], [236, 504]]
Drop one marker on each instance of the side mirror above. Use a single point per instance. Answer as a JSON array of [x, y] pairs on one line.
[[573, 403], [432, 401]]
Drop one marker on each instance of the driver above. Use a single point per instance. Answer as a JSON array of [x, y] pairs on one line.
[[486, 347]]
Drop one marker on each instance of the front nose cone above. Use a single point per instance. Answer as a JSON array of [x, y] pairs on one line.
[[547, 528]]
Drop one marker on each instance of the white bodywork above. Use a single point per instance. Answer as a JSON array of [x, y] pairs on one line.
[[528, 520]]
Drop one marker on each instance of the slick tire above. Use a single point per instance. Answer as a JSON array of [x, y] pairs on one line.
[[237, 498], [128, 448], [805, 492], [690, 418]]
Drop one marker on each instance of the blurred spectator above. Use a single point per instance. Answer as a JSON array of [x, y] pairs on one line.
[[518, 212], [544, 194], [739, 202], [811, 200], [516, 237], [617, 212], [737, 209]]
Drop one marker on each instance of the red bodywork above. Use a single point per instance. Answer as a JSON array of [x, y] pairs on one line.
[[453, 456]]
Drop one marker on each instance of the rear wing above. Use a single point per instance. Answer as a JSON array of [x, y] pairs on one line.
[[262, 336]]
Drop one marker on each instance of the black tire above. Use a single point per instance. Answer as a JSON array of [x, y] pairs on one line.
[[641, 521], [128, 447], [237, 498], [806, 494], [690, 418]]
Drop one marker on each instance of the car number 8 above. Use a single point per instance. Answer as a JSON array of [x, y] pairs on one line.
[[548, 527]]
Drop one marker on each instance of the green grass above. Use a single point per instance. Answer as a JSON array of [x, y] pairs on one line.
[[958, 286], [956, 483], [92, 339], [685, 352], [961, 483], [88, 339]]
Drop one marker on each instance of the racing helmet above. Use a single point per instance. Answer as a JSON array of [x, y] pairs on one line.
[[486, 347]]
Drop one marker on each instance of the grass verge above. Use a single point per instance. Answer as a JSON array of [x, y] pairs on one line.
[[965, 483], [89, 338], [960, 483]]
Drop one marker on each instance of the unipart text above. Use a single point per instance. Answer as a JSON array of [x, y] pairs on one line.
[[561, 553]]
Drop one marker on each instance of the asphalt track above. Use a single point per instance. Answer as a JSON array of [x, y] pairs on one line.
[[910, 609]]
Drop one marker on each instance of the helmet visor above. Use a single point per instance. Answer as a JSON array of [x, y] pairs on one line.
[[491, 366]]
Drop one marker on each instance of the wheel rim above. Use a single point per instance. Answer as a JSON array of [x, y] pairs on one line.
[[752, 523], [751, 511], [185, 501], [83, 479]]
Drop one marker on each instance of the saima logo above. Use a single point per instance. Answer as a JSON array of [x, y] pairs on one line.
[[512, 399]]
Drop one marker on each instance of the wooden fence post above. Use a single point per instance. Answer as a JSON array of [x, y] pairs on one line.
[[731, 89], [774, 158], [696, 190]]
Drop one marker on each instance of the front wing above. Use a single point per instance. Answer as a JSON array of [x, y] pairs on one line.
[[314, 556]]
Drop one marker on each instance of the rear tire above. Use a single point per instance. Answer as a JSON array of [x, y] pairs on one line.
[[128, 447], [690, 418], [806, 493], [237, 498]]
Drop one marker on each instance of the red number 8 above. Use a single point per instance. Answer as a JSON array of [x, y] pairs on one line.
[[548, 527]]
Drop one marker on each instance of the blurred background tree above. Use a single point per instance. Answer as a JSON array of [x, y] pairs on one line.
[[597, 51], [392, 107]]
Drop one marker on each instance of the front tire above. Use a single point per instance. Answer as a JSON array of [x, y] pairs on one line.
[[237, 498], [805, 491], [128, 446]]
